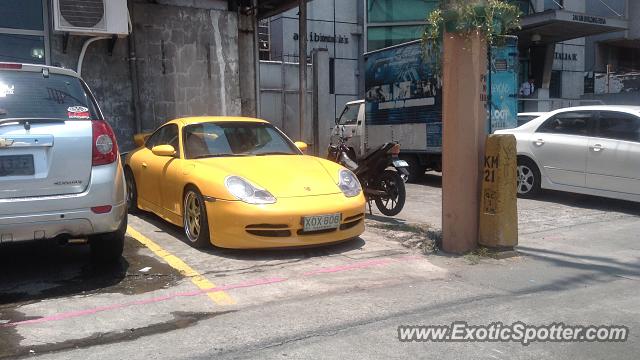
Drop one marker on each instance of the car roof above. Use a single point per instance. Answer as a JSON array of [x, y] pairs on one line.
[[38, 68], [202, 119], [631, 108], [531, 113]]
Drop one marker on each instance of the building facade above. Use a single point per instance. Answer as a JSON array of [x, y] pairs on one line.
[[175, 58], [334, 25], [565, 45]]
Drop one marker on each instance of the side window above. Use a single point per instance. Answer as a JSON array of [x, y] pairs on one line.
[[568, 123], [171, 137], [619, 126], [154, 139], [166, 135]]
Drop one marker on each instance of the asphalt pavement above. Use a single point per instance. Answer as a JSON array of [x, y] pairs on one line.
[[578, 264]]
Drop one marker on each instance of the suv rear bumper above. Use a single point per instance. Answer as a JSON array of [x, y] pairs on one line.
[[74, 224], [35, 218]]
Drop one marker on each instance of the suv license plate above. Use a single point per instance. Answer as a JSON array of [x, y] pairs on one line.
[[321, 222], [16, 165]]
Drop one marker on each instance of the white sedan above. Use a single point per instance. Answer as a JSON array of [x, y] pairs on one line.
[[592, 150]]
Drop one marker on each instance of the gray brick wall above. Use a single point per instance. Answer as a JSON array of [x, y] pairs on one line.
[[187, 66]]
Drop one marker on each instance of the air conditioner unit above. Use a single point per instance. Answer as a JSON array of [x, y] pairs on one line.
[[91, 17]]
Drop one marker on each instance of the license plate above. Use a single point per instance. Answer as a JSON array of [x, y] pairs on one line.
[[321, 222], [16, 165], [400, 163]]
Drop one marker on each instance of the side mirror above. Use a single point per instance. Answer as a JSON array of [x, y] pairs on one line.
[[163, 150], [302, 146], [140, 139]]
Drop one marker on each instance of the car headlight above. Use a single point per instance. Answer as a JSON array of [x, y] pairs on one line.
[[245, 191], [349, 184]]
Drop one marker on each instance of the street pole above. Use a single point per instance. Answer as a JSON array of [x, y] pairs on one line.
[[302, 63]]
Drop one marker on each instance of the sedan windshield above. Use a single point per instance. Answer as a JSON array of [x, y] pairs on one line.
[[235, 139]]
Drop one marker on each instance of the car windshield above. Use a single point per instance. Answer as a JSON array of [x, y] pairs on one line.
[[26, 94], [235, 139]]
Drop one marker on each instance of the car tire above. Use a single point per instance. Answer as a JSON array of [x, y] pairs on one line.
[[107, 248], [527, 178], [195, 221], [132, 192]]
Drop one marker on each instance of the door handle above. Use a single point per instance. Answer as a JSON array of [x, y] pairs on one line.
[[539, 142], [144, 165], [597, 147]]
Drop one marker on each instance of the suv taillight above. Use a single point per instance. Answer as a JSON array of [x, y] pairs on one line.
[[105, 148]]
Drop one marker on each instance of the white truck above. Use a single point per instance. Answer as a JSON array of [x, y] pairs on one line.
[[403, 103]]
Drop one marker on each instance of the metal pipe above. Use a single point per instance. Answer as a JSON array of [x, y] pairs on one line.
[[133, 73], [302, 63], [84, 50]]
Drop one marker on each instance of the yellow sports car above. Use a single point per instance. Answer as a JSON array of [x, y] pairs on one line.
[[241, 183]]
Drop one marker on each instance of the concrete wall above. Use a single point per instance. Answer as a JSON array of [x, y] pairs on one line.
[[108, 77], [187, 62]]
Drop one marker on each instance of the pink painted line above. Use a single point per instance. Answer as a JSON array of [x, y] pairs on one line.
[[75, 314], [358, 265], [247, 284]]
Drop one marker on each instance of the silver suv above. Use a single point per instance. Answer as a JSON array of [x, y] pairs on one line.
[[60, 171]]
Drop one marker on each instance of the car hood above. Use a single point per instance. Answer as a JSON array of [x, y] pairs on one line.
[[284, 176]]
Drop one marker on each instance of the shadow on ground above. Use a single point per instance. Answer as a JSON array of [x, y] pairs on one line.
[[261, 254], [40, 270]]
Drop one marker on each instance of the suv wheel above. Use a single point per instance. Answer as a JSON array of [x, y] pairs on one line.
[[107, 248]]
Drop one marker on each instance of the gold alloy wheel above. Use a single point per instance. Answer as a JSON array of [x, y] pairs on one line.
[[193, 211]]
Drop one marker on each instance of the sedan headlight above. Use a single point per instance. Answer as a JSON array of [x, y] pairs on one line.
[[349, 184], [245, 191]]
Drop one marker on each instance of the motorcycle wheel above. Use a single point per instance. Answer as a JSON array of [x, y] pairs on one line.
[[391, 182]]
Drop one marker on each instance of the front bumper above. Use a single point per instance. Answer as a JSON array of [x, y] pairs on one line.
[[238, 225]]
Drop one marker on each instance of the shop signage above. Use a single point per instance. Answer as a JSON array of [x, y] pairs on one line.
[[566, 56], [590, 19], [315, 37]]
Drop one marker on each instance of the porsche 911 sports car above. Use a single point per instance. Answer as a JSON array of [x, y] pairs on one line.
[[241, 183]]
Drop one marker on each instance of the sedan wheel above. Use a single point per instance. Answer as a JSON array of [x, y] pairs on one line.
[[528, 178], [195, 219]]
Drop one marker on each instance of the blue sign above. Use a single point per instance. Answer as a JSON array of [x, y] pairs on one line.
[[503, 86], [401, 87]]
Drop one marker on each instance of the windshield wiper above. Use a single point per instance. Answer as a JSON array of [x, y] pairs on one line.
[[216, 155], [30, 121], [275, 153]]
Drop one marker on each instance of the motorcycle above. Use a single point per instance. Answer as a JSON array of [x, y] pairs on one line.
[[381, 173]]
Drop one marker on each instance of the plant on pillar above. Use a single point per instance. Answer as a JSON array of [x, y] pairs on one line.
[[491, 19]]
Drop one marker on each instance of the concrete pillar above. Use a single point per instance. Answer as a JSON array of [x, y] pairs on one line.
[[322, 110], [302, 63], [464, 124], [548, 65], [247, 72]]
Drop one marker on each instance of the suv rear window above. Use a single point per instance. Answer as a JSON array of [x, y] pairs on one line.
[[26, 94]]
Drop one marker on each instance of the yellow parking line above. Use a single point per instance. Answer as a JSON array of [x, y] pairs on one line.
[[219, 297]]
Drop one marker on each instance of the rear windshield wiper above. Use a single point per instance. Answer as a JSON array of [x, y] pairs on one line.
[[30, 121]]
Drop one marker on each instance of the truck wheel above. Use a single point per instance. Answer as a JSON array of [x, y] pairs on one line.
[[416, 171], [107, 248]]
